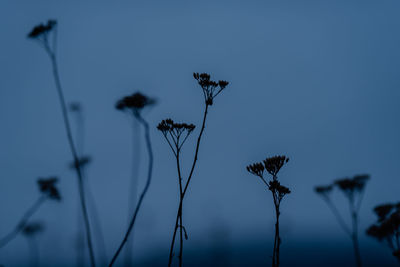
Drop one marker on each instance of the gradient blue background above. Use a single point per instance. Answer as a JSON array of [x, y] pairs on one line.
[[317, 81]]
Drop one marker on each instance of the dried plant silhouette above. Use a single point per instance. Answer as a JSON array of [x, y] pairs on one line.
[[272, 166], [76, 110], [387, 227], [176, 134], [42, 34], [48, 191], [353, 189], [133, 187], [134, 105], [30, 231]]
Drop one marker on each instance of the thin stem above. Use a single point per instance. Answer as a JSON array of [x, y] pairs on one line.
[[143, 194], [74, 154], [22, 223], [34, 251], [179, 213], [133, 186], [354, 236], [337, 215], [197, 150], [171, 250]]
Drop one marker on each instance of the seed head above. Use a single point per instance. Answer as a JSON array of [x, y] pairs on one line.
[[210, 88], [33, 228], [135, 102], [42, 30], [47, 186], [256, 169], [274, 164]]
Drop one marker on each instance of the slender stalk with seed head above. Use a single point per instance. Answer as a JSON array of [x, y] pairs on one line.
[[387, 227], [176, 135], [272, 166], [353, 188], [134, 104], [41, 33], [49, 191], [76, 109]]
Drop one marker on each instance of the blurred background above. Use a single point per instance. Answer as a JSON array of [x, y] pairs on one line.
[[317, 81]]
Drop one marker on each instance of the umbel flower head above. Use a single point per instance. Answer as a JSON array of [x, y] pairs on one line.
[[33, 228], [274, 164], [271, 165], [42, 30], [135, 102], [388, 226], [275, 186], [47, 186], [82, 162], [175, 132], [323, 189], [352, 185], [75, 107], [210, 88]]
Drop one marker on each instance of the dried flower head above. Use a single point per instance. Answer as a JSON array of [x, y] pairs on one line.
[[75, 107], [47, 186], [33, 228], [256, 169], [388, 226], [383, 210], [135, 102], [351, 185], [175, 132], [323, 189], [210, 88], [274, 164], [82, 162], [42, 30], [275, 186]]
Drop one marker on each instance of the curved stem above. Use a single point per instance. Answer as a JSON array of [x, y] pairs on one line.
[[20, 226], [150, 170], [74, 155], [197, 150], [133, 187]]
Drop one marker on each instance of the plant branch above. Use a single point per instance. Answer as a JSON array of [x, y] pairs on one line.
[[146, 187]]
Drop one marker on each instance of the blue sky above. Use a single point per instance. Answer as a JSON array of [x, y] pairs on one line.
[[317, 81]]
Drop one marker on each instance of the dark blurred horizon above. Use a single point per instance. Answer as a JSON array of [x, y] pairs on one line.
[[317, 81]]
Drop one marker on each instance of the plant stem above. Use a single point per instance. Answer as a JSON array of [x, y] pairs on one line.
[[183, 192], [74, 154], [133, 188], [20, 226], [147, 185], [338, 216], [354, 237], [34, 251]]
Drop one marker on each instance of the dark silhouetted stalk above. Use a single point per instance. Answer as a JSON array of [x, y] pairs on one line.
[[272, 166], [146, 187], [24, 220], [77, 109], [41, 33], [48, 190], [134, 104], [387, 228], [30, 231], [133, 187], [176, 134], [353, 189]]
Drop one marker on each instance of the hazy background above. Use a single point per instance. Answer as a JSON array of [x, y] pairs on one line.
[[317, 81]]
